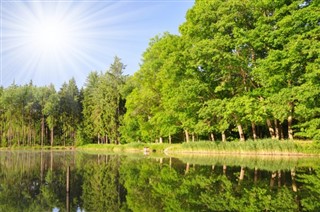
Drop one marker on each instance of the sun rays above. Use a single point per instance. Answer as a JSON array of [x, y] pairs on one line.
[[54, 41], [50, 41]]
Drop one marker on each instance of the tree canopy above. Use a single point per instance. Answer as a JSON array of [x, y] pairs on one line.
[[238, 70]]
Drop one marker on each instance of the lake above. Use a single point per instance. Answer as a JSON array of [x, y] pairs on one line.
[[76, 181]]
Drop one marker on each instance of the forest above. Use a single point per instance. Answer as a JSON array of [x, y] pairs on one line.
[[238, 70]]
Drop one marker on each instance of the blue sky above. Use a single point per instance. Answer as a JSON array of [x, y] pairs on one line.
[[52, 41]]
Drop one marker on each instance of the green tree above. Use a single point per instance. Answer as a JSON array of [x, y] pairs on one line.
[[51, 111], [103, 104], [292, 56], [69, 106], [147, 105]]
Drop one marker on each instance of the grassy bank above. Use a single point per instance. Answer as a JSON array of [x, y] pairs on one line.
[[250, 147], [38, 147], [260, 147], [131, 147]]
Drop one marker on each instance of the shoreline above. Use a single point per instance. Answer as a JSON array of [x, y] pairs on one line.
[[250, 148]]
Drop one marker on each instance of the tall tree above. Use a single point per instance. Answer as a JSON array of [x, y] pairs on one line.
[[51, 111], [69, 109], [103, 104]]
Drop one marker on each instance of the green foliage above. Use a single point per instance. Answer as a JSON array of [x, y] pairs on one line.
[[310, 193], [102, 182], [101, 186], [267, 162], [246, 69], [103, 104]]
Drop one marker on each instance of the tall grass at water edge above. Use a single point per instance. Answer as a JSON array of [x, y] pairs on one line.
[[264, 146]]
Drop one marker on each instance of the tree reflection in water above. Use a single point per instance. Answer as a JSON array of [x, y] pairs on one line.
[[36, 181]]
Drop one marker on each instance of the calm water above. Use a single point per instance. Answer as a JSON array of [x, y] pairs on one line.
[[37, 181]]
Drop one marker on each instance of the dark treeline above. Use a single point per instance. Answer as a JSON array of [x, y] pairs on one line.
[[238, 70]]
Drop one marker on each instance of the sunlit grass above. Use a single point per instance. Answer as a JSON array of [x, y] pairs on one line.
[[263, 147]]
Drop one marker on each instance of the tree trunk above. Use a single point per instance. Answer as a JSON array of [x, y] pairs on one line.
[[254, 131], [255, 175], [187, 168], [107, 139], [212, 137], [42, 130], [51, 137], [272, 180], [161, 160], [18, 135], [271, 130], [51, 160], [170, 139], [241, 134], [241, 177], [34, 136], [64, 139], [293, 179], [276, 127], [23, 135], [46, 133], [187, 136], [290, 130], [290, 118], [193, 137], [68, 180], [160, 140], [223, 136], [281, 131], [29, 134], [279, 178], [224, 169], [41, 166]]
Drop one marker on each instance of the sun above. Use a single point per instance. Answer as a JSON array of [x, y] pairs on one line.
[[52, 41], [50, 36]]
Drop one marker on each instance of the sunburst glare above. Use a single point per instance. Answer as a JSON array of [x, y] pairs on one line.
[[52, 41], [50, 36]]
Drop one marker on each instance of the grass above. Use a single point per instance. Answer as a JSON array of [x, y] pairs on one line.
[[265, 146], [131, 147], [260, 147], [37, 147], [250, 147]]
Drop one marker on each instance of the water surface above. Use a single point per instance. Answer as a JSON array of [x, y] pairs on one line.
[[38, 181]]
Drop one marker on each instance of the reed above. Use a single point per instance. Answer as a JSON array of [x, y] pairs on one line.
[[263, 146]]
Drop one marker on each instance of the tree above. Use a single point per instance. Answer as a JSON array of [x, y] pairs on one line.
[[69, 109], [148, 98], [51, 111], [103, 104], [291, 58]]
